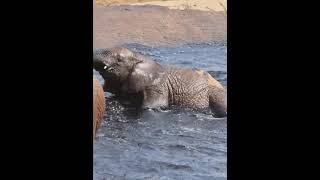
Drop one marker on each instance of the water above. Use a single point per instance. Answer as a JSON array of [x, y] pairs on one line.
[[165, 145]]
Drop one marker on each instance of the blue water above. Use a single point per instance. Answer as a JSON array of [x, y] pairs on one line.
[[173, 144]]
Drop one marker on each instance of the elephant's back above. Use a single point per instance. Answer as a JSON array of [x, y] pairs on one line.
[[98, 105], [213, 83], [187, 88]]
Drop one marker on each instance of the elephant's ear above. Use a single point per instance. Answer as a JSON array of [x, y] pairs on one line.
[[145, 72]]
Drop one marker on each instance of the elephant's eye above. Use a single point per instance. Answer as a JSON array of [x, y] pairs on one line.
[[119, 59], [105, 67]]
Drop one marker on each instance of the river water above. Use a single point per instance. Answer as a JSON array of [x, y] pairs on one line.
[[166, 145]]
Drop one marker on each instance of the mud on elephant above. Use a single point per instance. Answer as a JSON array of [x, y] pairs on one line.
[[129, 74], [98, 105]]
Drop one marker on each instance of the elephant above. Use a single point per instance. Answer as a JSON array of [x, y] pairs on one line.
[[132, 75], [98, 105]]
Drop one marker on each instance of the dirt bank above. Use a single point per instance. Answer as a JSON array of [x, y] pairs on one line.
[[156, 25], [204, 5]]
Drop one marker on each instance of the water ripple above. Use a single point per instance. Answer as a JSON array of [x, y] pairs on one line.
[[166, 144]]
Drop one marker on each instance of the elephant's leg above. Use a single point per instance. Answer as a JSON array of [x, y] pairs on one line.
[[218, 103], [154, 99], [217, 97]]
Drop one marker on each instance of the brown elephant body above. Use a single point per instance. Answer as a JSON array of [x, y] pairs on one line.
[[131, 74], [98, 105]]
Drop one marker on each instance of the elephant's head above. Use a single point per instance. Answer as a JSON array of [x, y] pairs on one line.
[[124, 70]]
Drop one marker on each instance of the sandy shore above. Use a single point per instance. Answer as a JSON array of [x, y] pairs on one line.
[[155, 25]]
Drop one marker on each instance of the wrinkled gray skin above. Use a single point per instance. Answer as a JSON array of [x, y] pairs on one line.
[[129, 74]]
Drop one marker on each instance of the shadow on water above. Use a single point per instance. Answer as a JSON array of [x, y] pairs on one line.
[[166, 144]]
